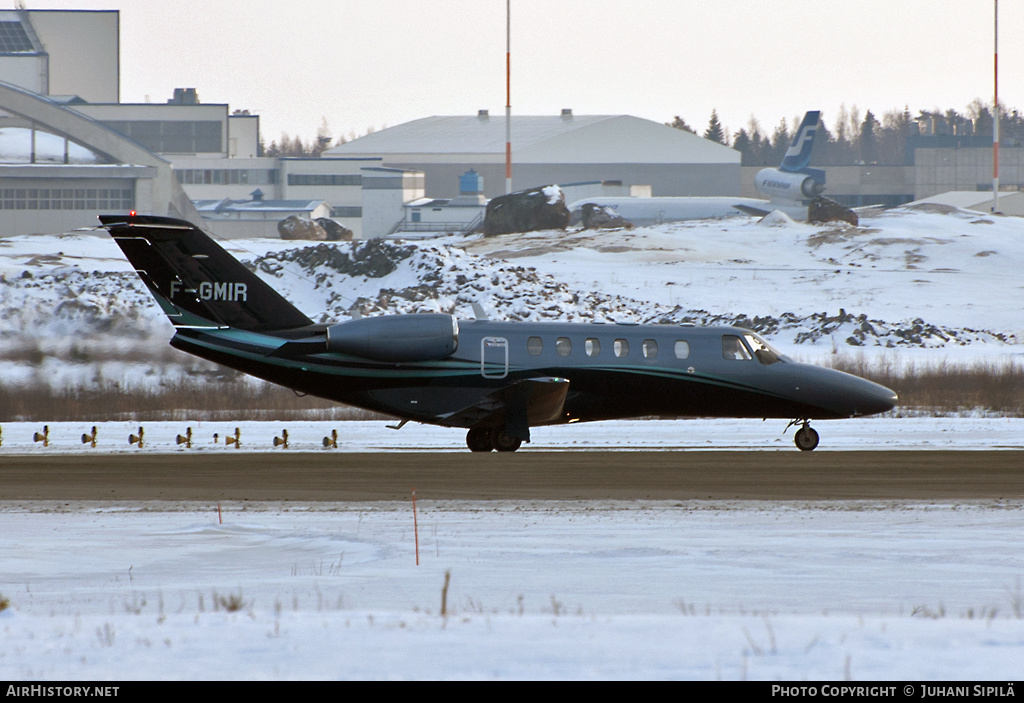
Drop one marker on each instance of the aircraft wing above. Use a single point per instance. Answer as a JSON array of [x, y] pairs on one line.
[[532, 401]]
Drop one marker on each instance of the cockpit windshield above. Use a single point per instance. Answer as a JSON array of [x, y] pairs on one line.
[[763, 352]]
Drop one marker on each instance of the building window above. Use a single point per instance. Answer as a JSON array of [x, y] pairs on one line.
[[98, 199], [173, 137], [230, 176], [325, 179], [14, 38]]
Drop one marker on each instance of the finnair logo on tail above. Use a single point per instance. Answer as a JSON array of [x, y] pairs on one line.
[[799, 152], [230, 292], [805, 138]]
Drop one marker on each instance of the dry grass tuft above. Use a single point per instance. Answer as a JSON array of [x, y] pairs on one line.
[[191, 399], [946, 387]]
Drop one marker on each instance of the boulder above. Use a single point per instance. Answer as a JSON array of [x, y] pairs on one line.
[[824, 209], [526, 211], [598, 217], [298, 227], [335, 232]]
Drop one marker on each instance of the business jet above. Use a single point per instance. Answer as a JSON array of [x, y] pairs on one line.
[[786, 189], [495, 379]]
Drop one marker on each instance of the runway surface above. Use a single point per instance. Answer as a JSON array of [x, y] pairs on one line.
[[589, 475]]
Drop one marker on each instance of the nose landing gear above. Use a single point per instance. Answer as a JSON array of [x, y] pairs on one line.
[[806, 438]]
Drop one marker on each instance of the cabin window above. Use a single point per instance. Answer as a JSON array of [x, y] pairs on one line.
[[535, 345], [592, 347], [733, 348], [682, 349], [563, 346], [621, 348], [650, 348]]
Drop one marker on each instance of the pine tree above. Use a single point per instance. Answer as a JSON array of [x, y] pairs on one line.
[[742, 144], [781, 139], [869, 139], [323, 139], [680, 123], [714, 130]]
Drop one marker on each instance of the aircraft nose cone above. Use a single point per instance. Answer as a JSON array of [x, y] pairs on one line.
[[844, 395], [871, 398]]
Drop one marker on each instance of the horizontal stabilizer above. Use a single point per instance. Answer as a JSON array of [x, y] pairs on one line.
[[305, 347]]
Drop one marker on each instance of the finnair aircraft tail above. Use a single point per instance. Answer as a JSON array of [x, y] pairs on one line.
[[786, 188], [792, 180]]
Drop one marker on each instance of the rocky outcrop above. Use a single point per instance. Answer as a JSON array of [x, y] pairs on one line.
[[526, 211], [824, 209], [335, 232], [296, 227], [598, 217]]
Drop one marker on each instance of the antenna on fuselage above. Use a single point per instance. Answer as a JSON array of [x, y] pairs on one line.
[[478, 311]]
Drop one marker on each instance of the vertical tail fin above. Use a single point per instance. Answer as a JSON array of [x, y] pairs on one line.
[[799, 153], [196, 282]]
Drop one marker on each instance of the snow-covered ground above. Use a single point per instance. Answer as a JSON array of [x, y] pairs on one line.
[[644, 590]]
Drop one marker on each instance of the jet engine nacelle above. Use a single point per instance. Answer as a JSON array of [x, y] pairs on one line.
[[422, 337], [791, 186]]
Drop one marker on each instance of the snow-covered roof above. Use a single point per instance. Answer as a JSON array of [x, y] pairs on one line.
[[1010, 203], [543, 139]]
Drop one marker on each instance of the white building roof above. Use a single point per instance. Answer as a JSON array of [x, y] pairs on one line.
[[540, 139]]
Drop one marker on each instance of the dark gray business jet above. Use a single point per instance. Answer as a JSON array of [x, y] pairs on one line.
[[496, 379]]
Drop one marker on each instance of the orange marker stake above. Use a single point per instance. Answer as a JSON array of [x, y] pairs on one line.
[[415, 527], [220, 519]]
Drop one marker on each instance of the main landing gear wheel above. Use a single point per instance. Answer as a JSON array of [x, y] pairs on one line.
[[806, 439], [478, 439], [503, 441]]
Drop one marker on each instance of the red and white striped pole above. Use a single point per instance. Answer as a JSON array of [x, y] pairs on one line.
[[415, 526], [508, 96], [995, 118]]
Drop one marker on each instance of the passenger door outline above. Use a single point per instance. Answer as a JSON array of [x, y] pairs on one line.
[[494, 350]]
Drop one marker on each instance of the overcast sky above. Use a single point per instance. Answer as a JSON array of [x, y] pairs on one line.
[[364, 64]]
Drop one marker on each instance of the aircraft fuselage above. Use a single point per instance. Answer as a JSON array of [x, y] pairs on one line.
[[612, 370]]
